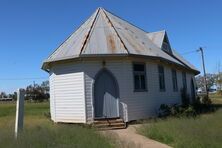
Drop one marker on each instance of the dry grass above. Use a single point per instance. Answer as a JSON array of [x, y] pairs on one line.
[[216, 99], [39, 131], [204, 131]]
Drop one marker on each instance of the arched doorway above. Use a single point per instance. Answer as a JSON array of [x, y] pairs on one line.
[[106, 95]]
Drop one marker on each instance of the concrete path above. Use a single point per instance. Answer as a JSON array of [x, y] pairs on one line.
[[129, 138]]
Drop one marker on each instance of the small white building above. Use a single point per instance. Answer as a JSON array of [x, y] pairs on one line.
[[109, 68]]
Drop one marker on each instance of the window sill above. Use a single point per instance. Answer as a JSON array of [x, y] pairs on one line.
[[140, 90]]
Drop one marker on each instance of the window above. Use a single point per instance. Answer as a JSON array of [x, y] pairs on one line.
[[139, 72], [161, 78], [165, 45], [184, 80], [174, 79]]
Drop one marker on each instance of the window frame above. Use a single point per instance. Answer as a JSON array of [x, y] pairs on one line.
[[139, 73], [163, 75], [174, 80]]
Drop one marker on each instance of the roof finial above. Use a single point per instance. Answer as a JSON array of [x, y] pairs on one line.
[[100, 8]]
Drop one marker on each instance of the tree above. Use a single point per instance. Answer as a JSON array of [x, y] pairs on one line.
[[38, 92], [211, 80], [45, 87], [13, 96], [3, 95], [219, 81]]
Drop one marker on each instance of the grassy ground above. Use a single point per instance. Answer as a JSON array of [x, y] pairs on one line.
[[39, 131], [216, 99], [204, 131]]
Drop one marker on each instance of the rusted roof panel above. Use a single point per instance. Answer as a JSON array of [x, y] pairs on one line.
[[103, 38], [136, 40], [106, 34], [72, 46]]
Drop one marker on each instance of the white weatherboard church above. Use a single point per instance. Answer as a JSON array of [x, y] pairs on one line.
[[109, 68]]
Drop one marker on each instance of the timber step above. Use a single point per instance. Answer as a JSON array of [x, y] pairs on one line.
[[109, 124]]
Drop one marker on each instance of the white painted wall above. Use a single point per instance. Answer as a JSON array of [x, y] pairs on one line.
[[140, 104], [72, 90], [67, 101], [52, 97]]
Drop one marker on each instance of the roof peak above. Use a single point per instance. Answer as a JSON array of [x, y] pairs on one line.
[[100, 9]]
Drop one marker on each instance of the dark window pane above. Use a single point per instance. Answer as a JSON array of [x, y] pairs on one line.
[[161, 77], [143, 85], [137, 82], [139, 76], [174, 79], [165, 47], [138, 67], [160, 82]]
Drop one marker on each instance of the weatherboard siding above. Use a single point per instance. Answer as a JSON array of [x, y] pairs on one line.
[[140, 104], [72, 89], [52, 98], [68, 94]]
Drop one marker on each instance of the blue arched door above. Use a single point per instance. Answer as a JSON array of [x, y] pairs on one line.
[[106, 95]]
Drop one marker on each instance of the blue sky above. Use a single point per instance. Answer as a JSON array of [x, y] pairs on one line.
[[30, 30]]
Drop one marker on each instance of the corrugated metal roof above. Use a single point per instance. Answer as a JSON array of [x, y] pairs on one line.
[[179, 57], [72, 46], [103, 38], [106, 34], [157, 37]]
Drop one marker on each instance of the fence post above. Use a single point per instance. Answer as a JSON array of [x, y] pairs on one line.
[[19, 111]]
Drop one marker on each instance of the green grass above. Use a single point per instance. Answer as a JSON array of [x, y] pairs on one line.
[[202, 132], [39, 131]]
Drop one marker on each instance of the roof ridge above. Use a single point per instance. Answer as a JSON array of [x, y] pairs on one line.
[[104, 11], [127, 21], [90, 30]]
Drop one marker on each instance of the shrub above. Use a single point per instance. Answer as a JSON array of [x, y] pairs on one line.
[[197, 100], [190, 111], [206, 100], [185, 97], [176, 110], [164, 110], [202, 104]]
